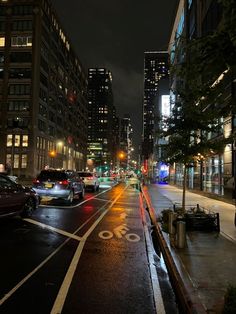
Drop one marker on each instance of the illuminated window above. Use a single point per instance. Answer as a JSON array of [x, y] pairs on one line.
[[25, 140], [21, 41], [37, 142], [2, 41], [9, 140], [17, 141], [16, 161], [8, 159], [23, 161]]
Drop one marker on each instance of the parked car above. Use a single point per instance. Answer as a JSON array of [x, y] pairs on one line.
[[16, 199], [90, 180], [59, 184]]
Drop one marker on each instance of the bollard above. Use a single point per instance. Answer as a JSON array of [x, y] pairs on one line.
[[171, 227], [181, 235], [171, 218]]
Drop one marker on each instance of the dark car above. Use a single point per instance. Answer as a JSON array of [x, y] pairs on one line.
[[16, 199], [59, 184]]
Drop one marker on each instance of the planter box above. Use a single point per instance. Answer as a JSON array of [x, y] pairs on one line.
[[197, 218], [206, 222]]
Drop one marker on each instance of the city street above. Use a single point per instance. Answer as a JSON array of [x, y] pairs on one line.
[[95, 256]]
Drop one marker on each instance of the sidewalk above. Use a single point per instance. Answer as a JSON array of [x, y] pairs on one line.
[[207, 263]]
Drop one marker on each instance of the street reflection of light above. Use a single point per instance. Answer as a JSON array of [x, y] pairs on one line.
[[88, 208], [105, 185]]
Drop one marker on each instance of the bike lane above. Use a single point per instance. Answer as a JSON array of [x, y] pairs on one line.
[[112, 274]]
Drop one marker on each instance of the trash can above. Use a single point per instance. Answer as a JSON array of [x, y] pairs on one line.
[[180, 234]]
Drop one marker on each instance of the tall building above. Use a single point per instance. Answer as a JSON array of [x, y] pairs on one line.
[[103, 123], [155, 68], [126, 141], [43, 87]]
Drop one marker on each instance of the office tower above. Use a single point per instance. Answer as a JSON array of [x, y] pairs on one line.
[[126, 137], [103, 123], [42, 91], [155, 68]]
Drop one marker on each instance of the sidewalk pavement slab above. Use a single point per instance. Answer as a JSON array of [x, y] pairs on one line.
[[207, 263]]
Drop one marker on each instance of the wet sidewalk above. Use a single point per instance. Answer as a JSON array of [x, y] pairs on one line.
[[207, 264]]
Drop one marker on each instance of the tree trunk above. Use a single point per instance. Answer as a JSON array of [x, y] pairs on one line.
[[184, 187]]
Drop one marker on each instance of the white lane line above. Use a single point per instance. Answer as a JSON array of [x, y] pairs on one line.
[[160, 309], [102, 199], [65, 233], [44, 226], [62, 294], [13, 290]]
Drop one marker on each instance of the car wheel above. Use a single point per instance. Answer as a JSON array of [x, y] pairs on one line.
[[70, 198], [81, 196], [29, 208]]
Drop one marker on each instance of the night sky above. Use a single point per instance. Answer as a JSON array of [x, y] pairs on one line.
[[114, 34]]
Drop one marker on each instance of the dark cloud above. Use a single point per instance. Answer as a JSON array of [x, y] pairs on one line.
[[115, 34]]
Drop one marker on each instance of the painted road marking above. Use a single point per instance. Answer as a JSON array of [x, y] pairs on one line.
[[14, 289], [44, 226], [105, 235], [120, 231], [123, 215], [132, 237], [62, 294]]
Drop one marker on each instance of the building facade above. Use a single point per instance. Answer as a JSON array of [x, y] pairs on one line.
[[103, 126], [43, 86], [215, 173]]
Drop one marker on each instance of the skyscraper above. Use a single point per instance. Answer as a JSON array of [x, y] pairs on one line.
[[126, 136], [155, 68], [102, 125]]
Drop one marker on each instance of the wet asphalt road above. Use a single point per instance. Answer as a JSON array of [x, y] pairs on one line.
[[90, 257]]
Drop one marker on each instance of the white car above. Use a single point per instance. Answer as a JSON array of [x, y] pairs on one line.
[[90, 180]]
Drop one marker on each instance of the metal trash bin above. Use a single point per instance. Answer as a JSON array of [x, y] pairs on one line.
[[180, 234]]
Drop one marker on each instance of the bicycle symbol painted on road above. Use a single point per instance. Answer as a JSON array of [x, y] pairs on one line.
[[119, 232]]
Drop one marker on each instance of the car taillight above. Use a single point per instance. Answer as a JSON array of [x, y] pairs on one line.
[[35, 181], [64, 182]]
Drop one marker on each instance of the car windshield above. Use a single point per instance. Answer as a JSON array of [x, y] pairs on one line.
[[85, 174], [52, 175]]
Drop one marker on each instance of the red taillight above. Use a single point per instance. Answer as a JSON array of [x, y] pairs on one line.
[[35, 181], [64, 182]]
